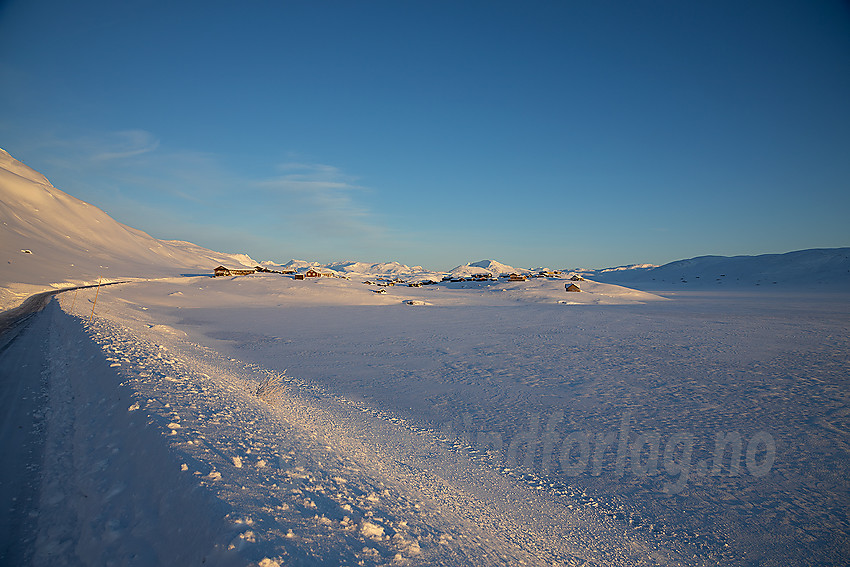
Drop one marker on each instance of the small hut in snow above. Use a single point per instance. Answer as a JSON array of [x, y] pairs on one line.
[[572, 287], [222, 271]]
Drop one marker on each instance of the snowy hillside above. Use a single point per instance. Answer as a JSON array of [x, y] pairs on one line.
[[51, 239], [491, 267], [823, 268], [294, 264]]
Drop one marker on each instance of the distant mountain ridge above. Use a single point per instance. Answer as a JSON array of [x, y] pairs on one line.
[[822, 267]]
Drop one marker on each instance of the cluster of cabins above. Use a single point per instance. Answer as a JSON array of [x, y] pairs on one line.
[[314, 273], [514, 277], [311, 273], [383, 282]]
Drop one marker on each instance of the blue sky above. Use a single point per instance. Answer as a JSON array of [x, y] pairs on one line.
[[543, 133]]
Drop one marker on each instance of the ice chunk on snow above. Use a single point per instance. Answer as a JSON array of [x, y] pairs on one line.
[[372, 531]]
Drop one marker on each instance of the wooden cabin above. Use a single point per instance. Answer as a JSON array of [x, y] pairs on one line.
[[222, 271], [313, 273]]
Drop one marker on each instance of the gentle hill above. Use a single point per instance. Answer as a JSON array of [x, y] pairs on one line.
[[820, 268], [50, 239]]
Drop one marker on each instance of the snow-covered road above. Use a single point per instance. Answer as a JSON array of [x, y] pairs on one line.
[[100, 486]]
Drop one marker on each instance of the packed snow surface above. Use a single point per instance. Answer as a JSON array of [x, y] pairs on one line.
[[182, 419]]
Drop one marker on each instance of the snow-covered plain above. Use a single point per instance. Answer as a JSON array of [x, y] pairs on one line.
[[461, 423]]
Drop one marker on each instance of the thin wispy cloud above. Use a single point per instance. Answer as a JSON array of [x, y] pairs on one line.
[[323, 193], [95, 149], [308, 177], [316, 205], [124, 144]]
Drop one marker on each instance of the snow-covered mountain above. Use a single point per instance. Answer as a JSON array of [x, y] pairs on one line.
[[820, 267], [362, 269], [385, 270], [380, 268], [51, 239], [295, 264], [491, 267]]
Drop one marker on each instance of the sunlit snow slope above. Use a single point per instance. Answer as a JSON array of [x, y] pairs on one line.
[[51, 239], [819, 268]]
